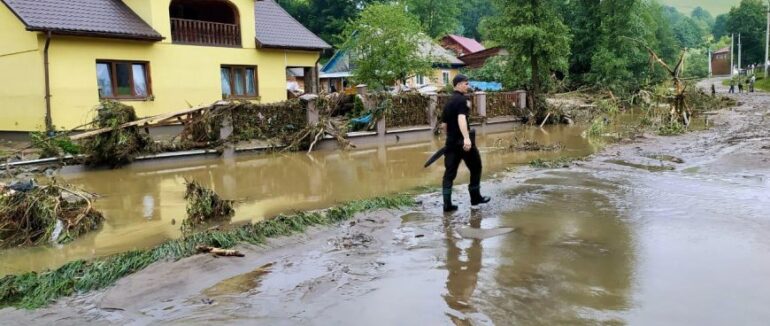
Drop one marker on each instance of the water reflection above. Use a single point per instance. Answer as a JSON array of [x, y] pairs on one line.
[[571, 260], [463, 266]]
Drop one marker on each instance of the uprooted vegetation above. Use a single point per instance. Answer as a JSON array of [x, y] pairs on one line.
[[282, 124], [527, 145], [204, 205], [55, 146], [118, 136], [34, 290], [559, 162], [121, 136], [119, 145], [37, 215]]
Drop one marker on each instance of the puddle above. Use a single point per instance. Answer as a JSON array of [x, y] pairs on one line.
[[240, 284], [651, 168]]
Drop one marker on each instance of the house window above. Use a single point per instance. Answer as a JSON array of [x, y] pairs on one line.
[[420, 80], [446, 77], [239, 82], [123, 79]]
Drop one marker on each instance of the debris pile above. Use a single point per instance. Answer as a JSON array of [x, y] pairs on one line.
[[407, 109], [528, 145], [55, 146], [267, 121], [204, 205], [32, 215], [501, 104], [533, 146], [118, 146]]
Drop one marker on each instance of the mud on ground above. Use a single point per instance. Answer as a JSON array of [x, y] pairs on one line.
[[662, 230]]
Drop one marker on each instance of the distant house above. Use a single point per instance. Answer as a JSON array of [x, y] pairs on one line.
[[461, 45], [470, 51], [720, 62], [335, 75], [478, 59], [59, 58]]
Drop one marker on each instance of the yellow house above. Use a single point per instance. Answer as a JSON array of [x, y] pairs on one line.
[[59, 58]]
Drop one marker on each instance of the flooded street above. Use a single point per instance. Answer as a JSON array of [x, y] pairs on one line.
[[144, 203], [664, 231]]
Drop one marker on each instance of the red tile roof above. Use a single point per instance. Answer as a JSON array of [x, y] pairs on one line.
[[107, 18], [470, 45]]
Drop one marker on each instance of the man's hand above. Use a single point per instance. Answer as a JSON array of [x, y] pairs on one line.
[[463, 123], [467, 144]]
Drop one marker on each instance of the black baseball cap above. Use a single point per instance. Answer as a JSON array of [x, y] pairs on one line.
[[459, 79]]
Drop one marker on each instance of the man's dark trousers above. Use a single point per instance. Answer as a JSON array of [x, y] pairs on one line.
[[454, 155]]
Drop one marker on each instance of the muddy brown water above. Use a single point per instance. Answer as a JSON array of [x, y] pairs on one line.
[[587, 247], [144, 206]]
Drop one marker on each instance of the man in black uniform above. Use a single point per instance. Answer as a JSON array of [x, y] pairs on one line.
[[460, 147]]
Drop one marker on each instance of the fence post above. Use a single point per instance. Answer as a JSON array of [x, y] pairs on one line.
[[228, 153], [227, 125], [521, 96], [361, 90], [312, 108], [481, 103], [432, 104], [481, 107], [381, 128]]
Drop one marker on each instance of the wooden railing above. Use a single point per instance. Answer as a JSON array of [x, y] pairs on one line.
[[186, 31]]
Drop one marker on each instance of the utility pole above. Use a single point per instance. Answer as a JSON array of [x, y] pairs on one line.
[[709, 62], [732, 60], [767, 38], [739, 53]]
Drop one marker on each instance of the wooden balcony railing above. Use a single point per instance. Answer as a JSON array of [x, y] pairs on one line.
[[198, 32]]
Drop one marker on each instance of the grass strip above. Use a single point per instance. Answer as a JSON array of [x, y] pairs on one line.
[[34, 290]]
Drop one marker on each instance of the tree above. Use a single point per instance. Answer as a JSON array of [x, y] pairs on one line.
[[532, 31], [688, 33], [601, 52], [703, 18], [472, 12], [438, 17], [495, 69], [618, 63], [325, 18], [696, 64], [384, 46], [748, 19], [585, 17], [720, 26]]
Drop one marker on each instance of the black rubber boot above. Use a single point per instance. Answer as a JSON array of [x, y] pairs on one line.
[[477, 198], [448, 207]]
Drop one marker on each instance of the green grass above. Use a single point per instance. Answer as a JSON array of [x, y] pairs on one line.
[[715, 7], [34, 290], [559, 162], [762, 84], [671, 129]]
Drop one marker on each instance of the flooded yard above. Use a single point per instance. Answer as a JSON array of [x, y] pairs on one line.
[[607, 241], [144, 203]]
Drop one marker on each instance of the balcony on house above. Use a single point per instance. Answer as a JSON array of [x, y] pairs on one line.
[[207, 23]]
